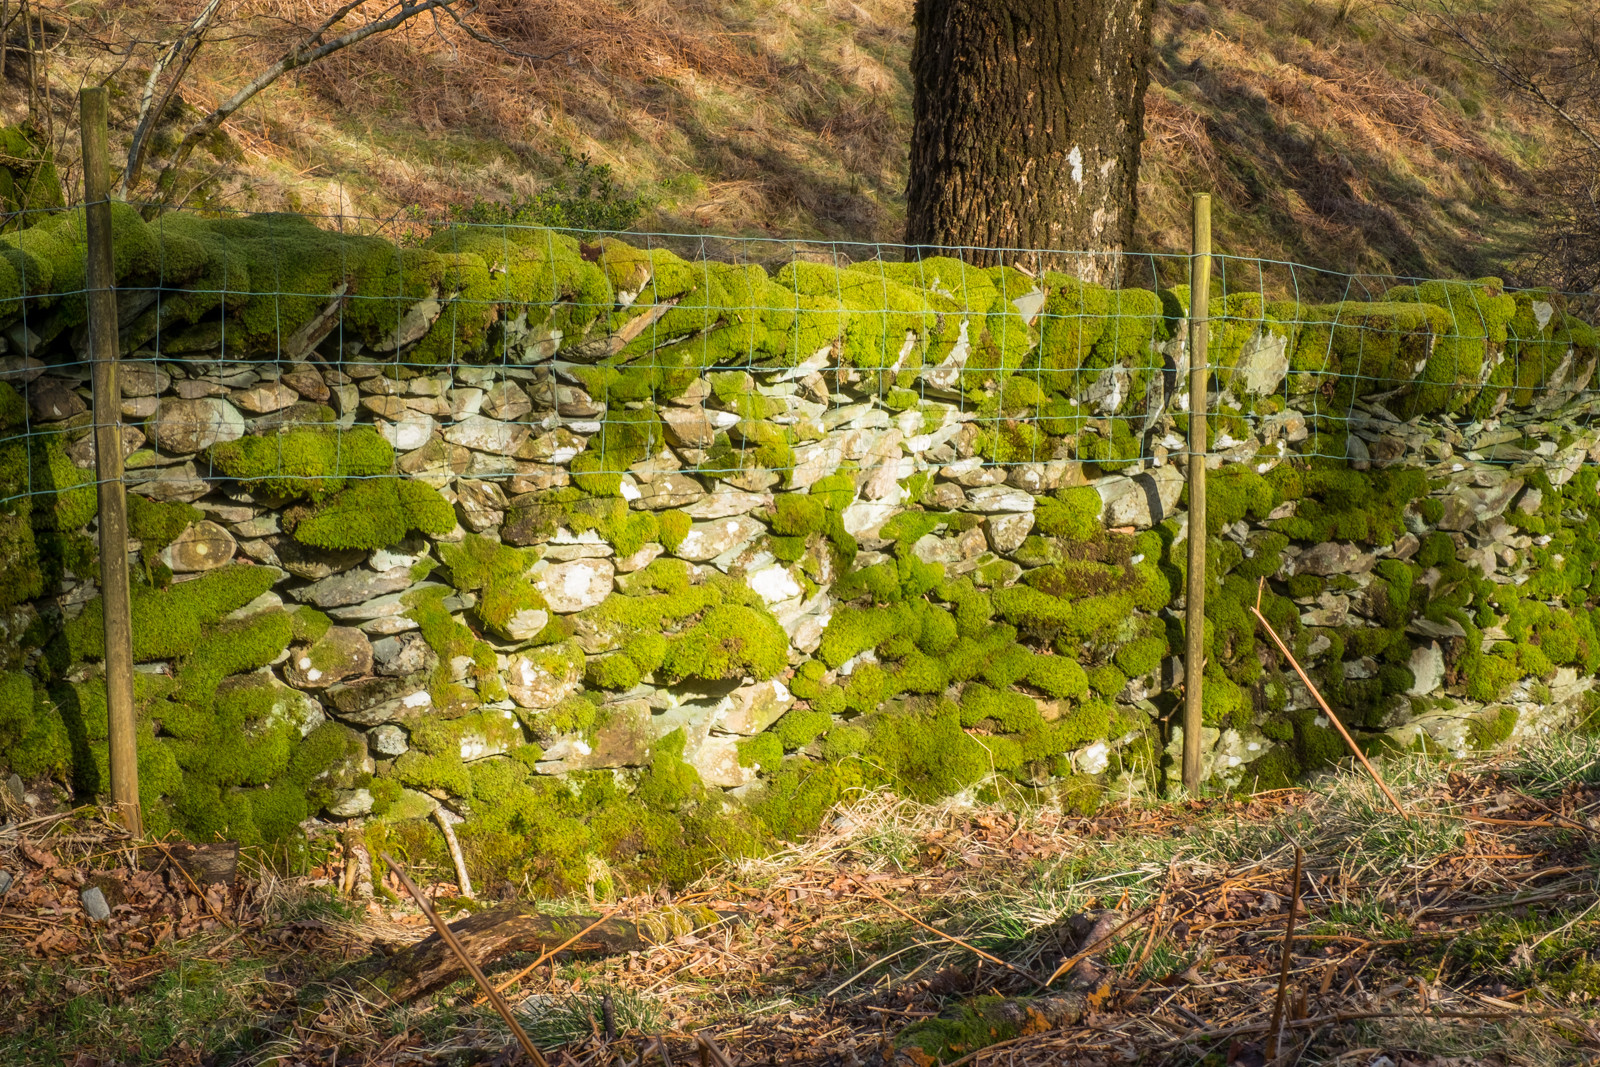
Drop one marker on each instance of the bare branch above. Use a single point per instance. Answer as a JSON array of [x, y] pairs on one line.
[[300, 55], [148, 115]]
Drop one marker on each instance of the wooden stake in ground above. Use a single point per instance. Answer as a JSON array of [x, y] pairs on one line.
[[115, 601], [1194, 611], [1288, 954], [466, 961], [1376, 777]]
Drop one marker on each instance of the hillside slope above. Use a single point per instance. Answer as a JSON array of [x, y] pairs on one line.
[[1328, 137]]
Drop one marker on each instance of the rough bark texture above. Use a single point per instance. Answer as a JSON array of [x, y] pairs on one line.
[[1028, 120]]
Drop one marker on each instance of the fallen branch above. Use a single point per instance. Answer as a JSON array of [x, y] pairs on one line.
[[463, 879], [545, 955], [1376, 777], [466, 961]]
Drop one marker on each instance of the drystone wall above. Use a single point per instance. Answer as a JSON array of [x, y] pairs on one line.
[[620, 562]]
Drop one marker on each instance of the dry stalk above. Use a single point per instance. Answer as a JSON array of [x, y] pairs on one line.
[[1083, 953], [1288, 945], [449, 939], [1376, 777], [463, 879]]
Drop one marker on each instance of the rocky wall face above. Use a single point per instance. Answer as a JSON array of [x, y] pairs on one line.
[[621, 612]]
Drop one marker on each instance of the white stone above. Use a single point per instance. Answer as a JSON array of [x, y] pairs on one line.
[[1427, 667], [996, 498], [410, 433], [773, 583], [708, 540], [582, 583]]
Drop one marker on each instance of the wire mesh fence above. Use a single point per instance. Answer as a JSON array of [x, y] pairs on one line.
[[299, 354]]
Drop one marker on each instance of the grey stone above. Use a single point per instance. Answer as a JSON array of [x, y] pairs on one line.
[[725, 503], [1142, 501], [483, 434], [141, 379], [388, 741], [343, 652], [94, 903], [349, 803], [304, 561], [1007, 532], [82, 451], [506, 401], [1334, 557], [1262, 364], [353, 587], [1465, 506], [202, 546], [480, 504], [184, 426], [410, 433], [308, 384], [403, 654], [5, 882], [707, 540], [51, 400], [374, 701], [750, 709], [167, 484], [1427, 668]]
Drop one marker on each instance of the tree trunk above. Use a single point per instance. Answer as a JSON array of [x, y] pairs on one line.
[[1028, 120]]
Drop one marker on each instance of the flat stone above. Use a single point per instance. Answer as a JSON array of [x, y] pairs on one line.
[[343, 652], [582, 583], [374, 701], [350, 803], [558, 446], [184, 426], [50, 401], [141, 379], [675, 491], [750, 709], [353, 587], [308, 384], [1466, 506], [1334, 557], [267, 397], [411, 432], [725, 503], [483, 434], [167, 484], [480, 504], [707, 540], [535, 477], [202, 546], [82, 451], [688, 427], [773, 583], [1263, 363], [312, 564], [385, 407], [506, 401]]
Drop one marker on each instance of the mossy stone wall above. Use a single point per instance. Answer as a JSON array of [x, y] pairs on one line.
[[630, 562]]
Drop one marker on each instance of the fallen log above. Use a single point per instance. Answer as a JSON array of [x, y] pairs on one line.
[[429, 965]]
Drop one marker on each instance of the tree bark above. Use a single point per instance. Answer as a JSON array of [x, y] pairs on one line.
[[1028, 118]]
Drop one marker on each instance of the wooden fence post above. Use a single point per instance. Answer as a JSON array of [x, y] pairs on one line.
[[102, 306], [1195, 605]]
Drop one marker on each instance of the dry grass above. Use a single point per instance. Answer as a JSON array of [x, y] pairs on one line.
[[1468, 930]]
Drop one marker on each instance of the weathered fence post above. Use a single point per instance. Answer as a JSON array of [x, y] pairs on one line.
[[1195, 605], [102, 306]]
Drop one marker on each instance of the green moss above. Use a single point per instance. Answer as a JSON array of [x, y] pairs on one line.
[[673, 527], [499, 573], [304, 461], [797, 515], [166, 623], [626, 437], [376, 514], [730, 641], [157, 524], [799, 727], [1141, 656], [1073, 514]]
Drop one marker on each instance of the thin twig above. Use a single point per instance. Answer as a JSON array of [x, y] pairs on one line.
[[1288, 955], [952, 938], [1376, 777], [449, 938], [463, 879]]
